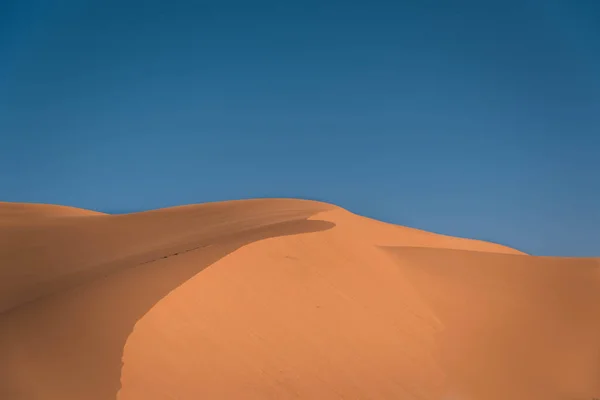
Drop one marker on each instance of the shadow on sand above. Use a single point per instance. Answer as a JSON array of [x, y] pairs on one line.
[[69, 345]]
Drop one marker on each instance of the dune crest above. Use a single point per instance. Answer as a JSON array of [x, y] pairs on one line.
[[385, 234], [284, 298]]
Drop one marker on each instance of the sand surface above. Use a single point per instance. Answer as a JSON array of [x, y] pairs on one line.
[[284, 299]]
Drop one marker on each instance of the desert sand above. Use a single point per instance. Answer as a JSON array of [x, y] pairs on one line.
[[284, 299]]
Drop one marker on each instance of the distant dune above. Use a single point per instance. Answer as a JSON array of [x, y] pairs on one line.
[[284, 299], [20, 212]]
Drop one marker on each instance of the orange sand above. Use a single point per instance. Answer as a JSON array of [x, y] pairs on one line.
[[284, 299]]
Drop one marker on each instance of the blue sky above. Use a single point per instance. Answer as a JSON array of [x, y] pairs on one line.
[[472, 118]]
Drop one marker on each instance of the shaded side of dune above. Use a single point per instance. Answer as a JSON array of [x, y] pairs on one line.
[[68, 343], [45, 255]]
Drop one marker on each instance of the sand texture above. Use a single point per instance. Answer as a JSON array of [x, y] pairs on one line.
[[284, 299]]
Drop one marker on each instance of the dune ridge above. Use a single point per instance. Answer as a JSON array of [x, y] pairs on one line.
[[284, 298]]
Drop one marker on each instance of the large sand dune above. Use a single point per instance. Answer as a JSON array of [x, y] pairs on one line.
[[283, 299]]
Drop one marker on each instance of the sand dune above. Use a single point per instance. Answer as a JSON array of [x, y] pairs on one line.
[[279, 298]]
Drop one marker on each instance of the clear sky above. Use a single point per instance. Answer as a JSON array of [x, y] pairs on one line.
[[472, 118]]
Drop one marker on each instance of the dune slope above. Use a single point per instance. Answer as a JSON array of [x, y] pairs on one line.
[[282, 298]]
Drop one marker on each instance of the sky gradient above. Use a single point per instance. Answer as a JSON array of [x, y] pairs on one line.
[[472, 118]]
